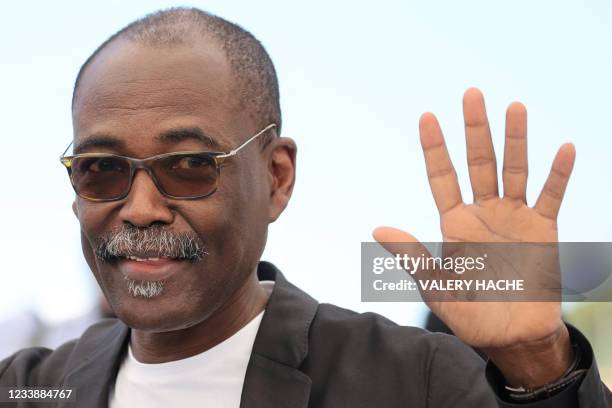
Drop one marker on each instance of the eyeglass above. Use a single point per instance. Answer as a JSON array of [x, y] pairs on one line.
[[177, 175]]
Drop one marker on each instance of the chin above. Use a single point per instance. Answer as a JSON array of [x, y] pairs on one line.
[[155, 321], [158, 314]]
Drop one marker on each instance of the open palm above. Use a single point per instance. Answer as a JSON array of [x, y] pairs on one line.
[[491, 218]]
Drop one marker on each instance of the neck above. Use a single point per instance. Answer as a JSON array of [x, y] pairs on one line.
[[246, 303]]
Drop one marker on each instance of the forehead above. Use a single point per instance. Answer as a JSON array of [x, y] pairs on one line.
[[134, 89]]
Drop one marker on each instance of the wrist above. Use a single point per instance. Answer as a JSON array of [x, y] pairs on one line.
[[536, 363]]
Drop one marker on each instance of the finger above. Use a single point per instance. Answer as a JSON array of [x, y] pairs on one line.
[[515, 170], [549, 202], [480, 154], [398, 242], [440, 171], [387, 235]]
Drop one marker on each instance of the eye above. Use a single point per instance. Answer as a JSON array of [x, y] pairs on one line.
[[104, 164], [191, 162]]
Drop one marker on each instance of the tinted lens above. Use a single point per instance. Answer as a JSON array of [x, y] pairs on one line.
[[100, 178], [187, 175]]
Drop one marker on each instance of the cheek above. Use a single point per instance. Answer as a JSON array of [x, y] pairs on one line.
[[229, 220], [88, 253], [212, 219], [250, 209], [95, 218]]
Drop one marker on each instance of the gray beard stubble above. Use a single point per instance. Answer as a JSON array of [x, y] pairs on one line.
[[155, 241]]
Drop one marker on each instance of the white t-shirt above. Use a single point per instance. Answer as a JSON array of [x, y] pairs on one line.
[[213, 378]]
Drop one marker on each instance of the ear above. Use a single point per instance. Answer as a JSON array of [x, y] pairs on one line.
[[281, 170]]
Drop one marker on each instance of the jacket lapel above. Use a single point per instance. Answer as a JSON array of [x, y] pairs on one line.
[[94, 370], [273, 378]]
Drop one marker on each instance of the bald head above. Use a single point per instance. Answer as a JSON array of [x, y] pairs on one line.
[[256, 85]]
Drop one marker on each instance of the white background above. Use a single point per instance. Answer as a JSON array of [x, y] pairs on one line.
[[354, 78]]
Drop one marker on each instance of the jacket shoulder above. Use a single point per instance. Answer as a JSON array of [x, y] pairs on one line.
[[366, 351], [41, 366], [352, 329]]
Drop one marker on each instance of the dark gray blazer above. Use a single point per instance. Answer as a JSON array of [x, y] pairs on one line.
[[308, 354]]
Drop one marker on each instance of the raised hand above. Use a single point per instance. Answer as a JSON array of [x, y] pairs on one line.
[[496, 327]]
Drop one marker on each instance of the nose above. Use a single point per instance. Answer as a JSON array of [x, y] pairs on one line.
[[145, 205]]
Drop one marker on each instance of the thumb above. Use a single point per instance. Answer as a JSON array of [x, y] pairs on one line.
[[389, 234], [399, 242], [395, 240]]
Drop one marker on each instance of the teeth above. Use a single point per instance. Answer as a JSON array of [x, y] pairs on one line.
[[135, 258]]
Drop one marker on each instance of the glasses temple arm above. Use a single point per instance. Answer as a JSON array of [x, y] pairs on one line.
[[237, 149], [64, 154]]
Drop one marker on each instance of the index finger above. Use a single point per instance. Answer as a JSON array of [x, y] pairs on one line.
[[440, 171]]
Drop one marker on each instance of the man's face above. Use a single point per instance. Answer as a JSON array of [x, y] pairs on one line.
[[128, 97]]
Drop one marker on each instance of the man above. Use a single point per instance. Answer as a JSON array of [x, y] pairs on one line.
[[176, 248]]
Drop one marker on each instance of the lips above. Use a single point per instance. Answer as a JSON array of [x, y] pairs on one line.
[[148, 268]]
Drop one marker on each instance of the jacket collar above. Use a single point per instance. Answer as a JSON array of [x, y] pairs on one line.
[[272, 378], [93, 364]]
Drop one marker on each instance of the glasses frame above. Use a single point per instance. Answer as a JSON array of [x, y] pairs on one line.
[[219, 158]]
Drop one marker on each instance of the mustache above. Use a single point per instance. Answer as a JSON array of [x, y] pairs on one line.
[[154, 241]]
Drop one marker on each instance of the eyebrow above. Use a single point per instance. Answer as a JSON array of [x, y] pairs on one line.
[[169, 136], [98, 140], [192, 133]]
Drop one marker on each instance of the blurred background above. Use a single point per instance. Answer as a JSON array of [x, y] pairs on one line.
[[354, 79]]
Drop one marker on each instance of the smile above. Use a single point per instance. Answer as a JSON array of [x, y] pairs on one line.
[[148, 268]]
